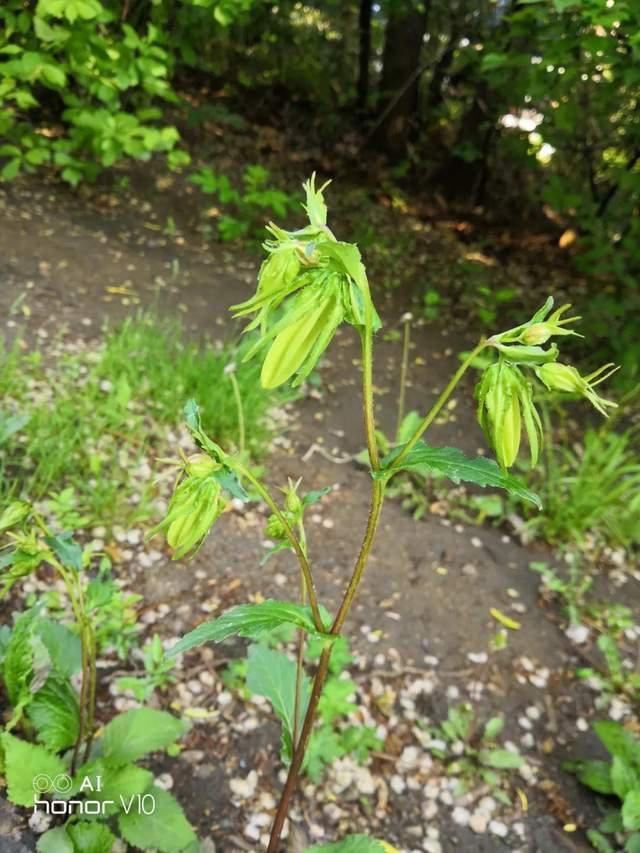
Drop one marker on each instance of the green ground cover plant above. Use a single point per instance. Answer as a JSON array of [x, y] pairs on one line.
[[615, 779], [70, 417], [472, 753], [244, 207], [334, 735], [53, 756], [309, 284]]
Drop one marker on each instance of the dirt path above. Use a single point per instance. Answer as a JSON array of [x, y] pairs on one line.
[[430, 586]]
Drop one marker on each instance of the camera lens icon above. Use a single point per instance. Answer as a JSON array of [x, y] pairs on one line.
[[42, 783], [62, 783]]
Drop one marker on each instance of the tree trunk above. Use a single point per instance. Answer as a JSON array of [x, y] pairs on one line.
[[463, 177], [364, 58], [401, 71], [435, 91]]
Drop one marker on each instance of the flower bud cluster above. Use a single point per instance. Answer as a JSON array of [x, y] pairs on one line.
[[505, 393], [195, 506], [307, 287]]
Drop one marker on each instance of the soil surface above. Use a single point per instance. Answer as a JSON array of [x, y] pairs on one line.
[[67, 265]]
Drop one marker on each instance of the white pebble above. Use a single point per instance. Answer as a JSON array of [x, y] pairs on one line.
[[245, 788], [397, 784], [496, 827], [478, 822], [461, 816]]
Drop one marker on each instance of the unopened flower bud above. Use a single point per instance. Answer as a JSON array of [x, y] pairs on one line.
[[195, 506], [200, 465], [292, 498], [538, 330], [537, 334], [16, 512], [504, 398], [275, 528], [563, 377]]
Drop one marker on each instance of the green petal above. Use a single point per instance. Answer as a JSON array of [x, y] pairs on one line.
[[293, 345]]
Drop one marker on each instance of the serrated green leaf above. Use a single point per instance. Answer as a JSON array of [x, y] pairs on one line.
[[230, 482], [192, 415], [23, 762], [599, 842], [63, 645], [493, 728], [252, 621], [324, 747], [273, 675], [90, 837], [66, 550], [54, 76], [452, 463], [623, 777], [135, 733], [55, 841], [351, 844], [631, 811], [18, 659], [618, 741], [632, 844], [611, 822], [336, 699], [314, 496], [594, 774], [112, 785], [55, 714], [166, 829]]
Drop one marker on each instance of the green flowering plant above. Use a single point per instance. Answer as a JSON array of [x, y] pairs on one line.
[[309, 284]]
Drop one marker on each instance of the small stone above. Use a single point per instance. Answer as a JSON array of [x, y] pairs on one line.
[[253, 832], [429, 810], [478, 822], [487, 805], [470, 570], [578, 634], [39, 822], [460, 816], [164, 781], [496, 827], [397, 784], [245, 788], [478, 657], [528, 741]]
